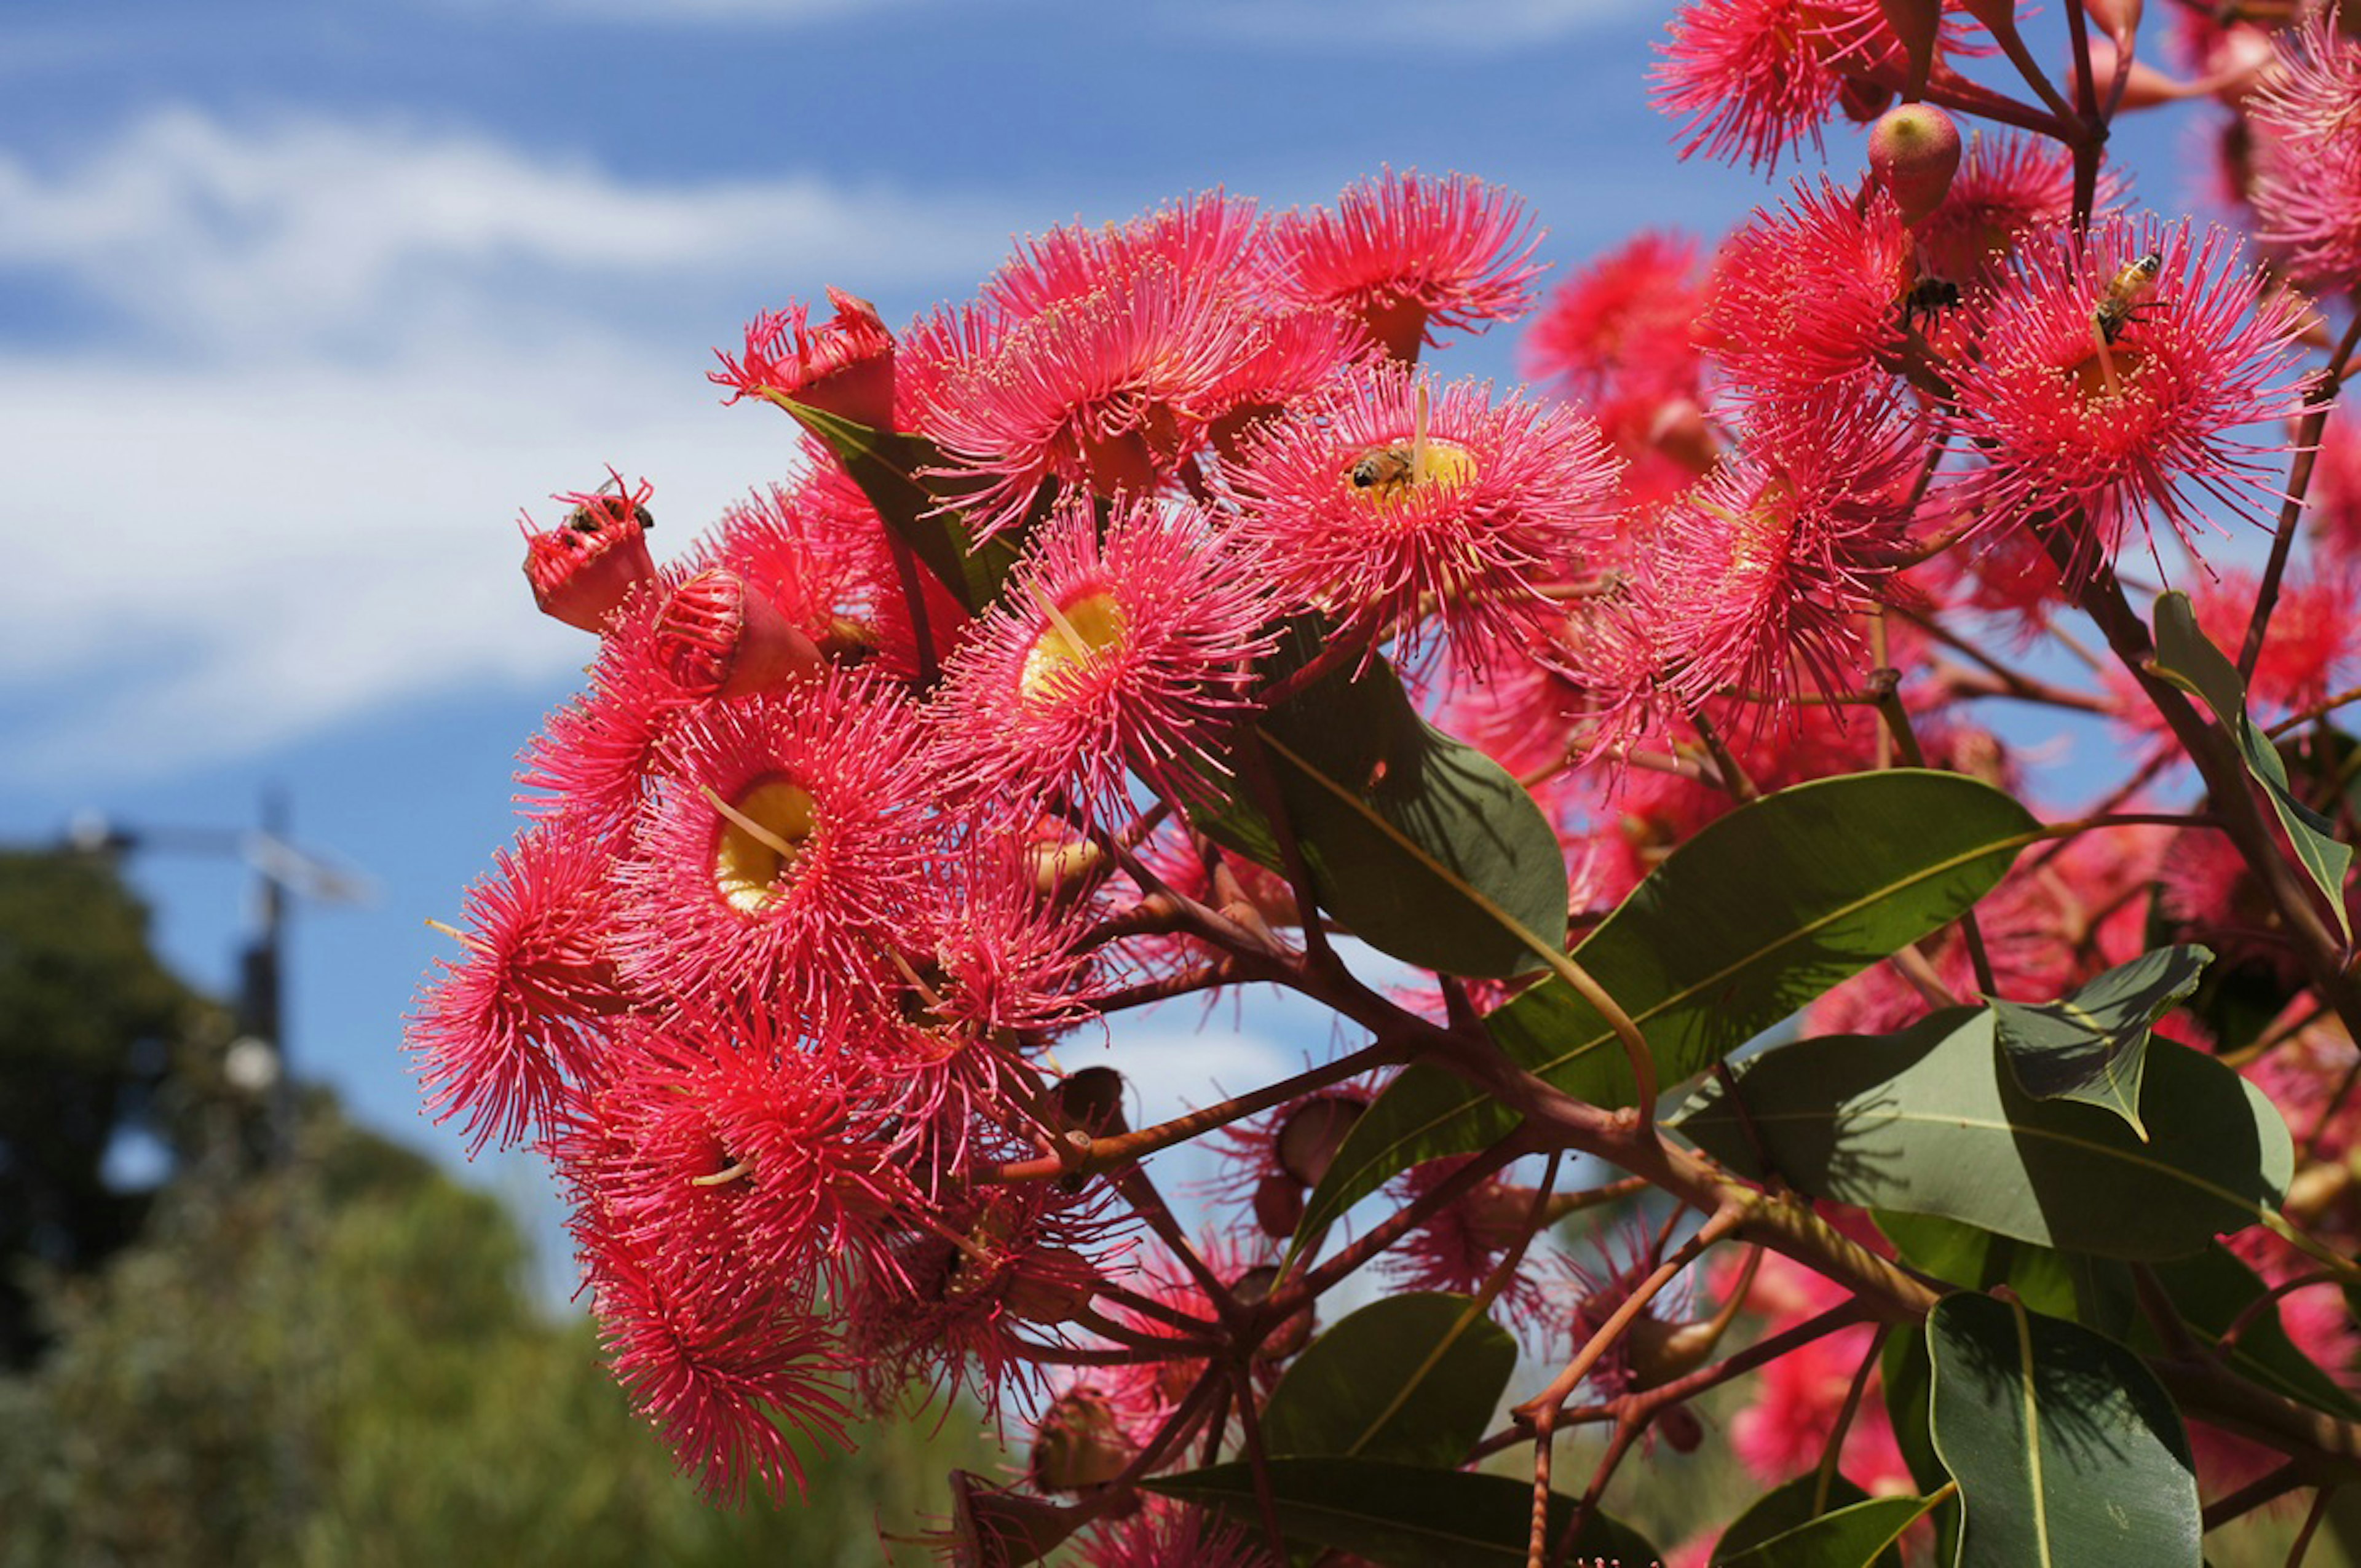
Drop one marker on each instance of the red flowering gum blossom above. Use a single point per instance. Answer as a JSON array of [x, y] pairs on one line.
[[845, 368], [1208, 235], [585, 566], [1122, 648], [2071, 423], [1406, 255], [1363, 514], [1619, 328], [499, 1038], [784, 857], [1914, 151], [725, 1372], [595, 758], [1107, 392], [2306, 119], [1813, 295], [1752, 77], [717, 637], [1767, 563]]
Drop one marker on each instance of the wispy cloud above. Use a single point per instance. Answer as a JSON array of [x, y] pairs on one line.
[[273, 488], [760, 13], [321, 234], [1347, 28]]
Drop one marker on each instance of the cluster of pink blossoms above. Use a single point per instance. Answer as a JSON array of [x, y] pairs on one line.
[[844, 834], [825, 859]]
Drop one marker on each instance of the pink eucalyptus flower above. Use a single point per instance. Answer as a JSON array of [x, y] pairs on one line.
[[501, 1035], [1407, 254], [845, 368], [1114, 649], [583, 570], [1104, 392], [2082, 433], [1378, 527], [781, 860]]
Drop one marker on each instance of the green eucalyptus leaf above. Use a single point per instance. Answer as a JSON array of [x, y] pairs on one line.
[[1414, 1378], [1420, 844], [1762, 911], [2066, 1450], [1860, 1535], [1403, 1516], [898, 472], [2096, 1293], [1927, 1121], [2187, 659], [1908, 1380], [1788, 1508], [2211, 1290], [2091, 1047]]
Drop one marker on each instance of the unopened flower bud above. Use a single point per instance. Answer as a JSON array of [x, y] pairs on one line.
[[716, 636], [1914, 151], [2237, 63], [1279, 1205], [1052, 1286], [1495, 1215], [1863, 100], [1252, 1288], [991, 1524], [1679, 1426], [585, 566], [1680, 431], [1080, 1445], [1093, 1100], [1917, 24], [1660, 1352], [2145, 87], [2119, 19], [1308, 1142], [1059, 864]]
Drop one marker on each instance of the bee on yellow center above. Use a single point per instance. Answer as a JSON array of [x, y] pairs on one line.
[[1384, 475], [2127, 290]]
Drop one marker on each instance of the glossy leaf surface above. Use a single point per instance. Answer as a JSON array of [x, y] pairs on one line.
[[1403, 1516], [1414, 1378], [1762, 911], [1420, 844], [2066, 1450], [2186, 658], [1927, 1121], [2092, 1046], [1788, 1508]]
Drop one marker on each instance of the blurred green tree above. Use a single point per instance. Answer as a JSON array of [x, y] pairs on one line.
[[91, 1026], [330, 1361]]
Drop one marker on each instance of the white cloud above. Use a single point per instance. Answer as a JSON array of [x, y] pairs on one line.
[[1346, 27], [311, 234], [219, 560], [767, 13], [275, 489]]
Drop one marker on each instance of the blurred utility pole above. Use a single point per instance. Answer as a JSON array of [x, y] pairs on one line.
[[258, 1059]]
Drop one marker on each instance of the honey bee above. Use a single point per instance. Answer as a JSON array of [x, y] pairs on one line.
[[2126, 292], [1926, 298], [1382, 471]]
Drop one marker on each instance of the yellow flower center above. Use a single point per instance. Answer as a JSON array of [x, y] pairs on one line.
[[1077, 634], [1382, 478], [762, 835]]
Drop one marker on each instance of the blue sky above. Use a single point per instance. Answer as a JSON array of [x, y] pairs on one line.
[[299, 303]]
